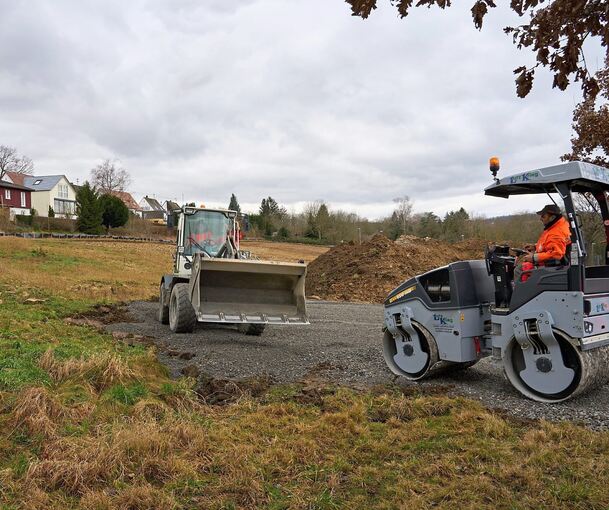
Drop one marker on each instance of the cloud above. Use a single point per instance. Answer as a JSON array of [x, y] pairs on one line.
[[297, 100]]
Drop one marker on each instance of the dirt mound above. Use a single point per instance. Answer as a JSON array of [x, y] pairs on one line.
[[367, 272], [472, 249]]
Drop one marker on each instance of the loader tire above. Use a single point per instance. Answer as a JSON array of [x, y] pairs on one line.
[[182, 317], [163, 314], [252, 329]]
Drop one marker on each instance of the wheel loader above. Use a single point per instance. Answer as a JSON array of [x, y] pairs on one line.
[[550, 331], [213, 281]]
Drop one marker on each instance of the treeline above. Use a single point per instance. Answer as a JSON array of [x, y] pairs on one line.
[[319, 223], [316, 224]]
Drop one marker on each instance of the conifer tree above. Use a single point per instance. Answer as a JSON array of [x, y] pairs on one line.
[[88, 210], [234, 204], [114, 211]]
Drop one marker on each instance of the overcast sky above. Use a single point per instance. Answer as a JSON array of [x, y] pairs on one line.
[[295, 99]]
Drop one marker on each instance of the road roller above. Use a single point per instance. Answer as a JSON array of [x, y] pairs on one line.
[[549, 331]]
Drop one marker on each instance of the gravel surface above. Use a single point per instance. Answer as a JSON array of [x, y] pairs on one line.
[[343, 345]]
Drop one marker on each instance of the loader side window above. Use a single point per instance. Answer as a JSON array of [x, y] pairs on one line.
[[205, 231]]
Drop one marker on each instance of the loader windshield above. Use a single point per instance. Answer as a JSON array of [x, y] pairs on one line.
[[206, 231]]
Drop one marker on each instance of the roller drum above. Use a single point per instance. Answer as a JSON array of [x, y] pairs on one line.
[[433, 366], [590, 370]]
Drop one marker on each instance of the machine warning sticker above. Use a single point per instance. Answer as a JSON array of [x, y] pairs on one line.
[[401, 294], [442, 323]]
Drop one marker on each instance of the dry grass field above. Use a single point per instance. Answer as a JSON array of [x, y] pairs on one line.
[[92, 421], [90, 270], [110, 271]]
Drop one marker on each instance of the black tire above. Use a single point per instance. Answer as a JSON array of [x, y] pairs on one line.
[[163, 314], [252, 329], [182, 317]]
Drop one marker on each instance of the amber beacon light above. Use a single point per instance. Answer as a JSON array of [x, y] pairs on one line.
[[494, 166]]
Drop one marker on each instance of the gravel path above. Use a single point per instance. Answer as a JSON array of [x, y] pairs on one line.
[[342, 344]]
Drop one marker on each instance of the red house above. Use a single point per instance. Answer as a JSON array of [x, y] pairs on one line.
[[16, 198]]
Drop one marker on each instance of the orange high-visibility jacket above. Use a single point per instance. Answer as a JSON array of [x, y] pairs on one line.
[[553, 242]]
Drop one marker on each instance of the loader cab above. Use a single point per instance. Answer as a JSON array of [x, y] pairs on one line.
[[211, 232], [560, 182]]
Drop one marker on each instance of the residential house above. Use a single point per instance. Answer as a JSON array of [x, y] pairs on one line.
[[49, 191], [129, 201], [152, 209], [14, 178], [171, 216], [16, 198]]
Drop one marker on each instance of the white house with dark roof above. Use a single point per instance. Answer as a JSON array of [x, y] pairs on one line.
[[52, 191], [152, 209]]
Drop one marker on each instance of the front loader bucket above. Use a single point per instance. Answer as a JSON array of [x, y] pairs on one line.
[[248, 291]]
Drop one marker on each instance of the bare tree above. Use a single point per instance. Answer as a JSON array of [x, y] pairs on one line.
[[109, 176], [403, 211], [589, 216], [10, 161]]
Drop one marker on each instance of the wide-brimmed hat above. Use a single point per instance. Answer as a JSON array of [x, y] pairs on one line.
[[550, 209]]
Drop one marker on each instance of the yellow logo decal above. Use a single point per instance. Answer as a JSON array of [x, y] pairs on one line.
[[401, 294]]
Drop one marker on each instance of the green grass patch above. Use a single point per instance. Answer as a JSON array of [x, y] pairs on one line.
[[43, 259], [27, 331], [127, 395]]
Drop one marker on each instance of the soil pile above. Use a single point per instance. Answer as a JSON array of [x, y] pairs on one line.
[[368, 272]]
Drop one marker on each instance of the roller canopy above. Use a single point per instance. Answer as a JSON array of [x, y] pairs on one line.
[[582, 177]]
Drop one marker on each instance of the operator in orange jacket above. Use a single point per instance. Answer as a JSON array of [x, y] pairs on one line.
[[552, 244]]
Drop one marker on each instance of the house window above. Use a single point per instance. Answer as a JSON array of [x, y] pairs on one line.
[[62, 191], [7, 194], [63, 206], [23, 199]]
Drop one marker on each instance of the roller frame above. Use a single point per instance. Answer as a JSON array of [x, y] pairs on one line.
[[530, 324]]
